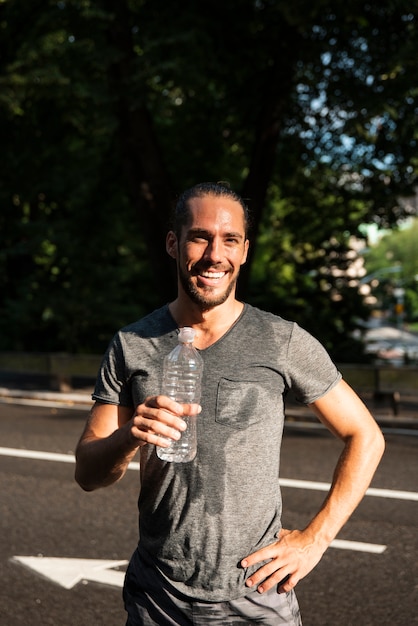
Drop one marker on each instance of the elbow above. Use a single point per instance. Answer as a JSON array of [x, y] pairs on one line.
[[85, 486], [380, 444], [374, 445], [378, 440], [90, 480], [85, 471], [369, 443], [84, 476], [83, 482], [379, 448]]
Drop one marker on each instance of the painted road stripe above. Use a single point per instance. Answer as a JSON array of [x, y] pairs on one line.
[[284, 482], [69, 572], [357, 546], [379, 493], [38, 455]]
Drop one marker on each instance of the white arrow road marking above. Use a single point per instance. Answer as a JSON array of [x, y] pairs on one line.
[[69, 572]]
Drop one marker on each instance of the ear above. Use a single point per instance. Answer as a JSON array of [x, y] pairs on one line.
[[246, 246], [171, 244]]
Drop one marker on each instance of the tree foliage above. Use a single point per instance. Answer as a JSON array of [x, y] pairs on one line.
[[109, 109], [392, 264]]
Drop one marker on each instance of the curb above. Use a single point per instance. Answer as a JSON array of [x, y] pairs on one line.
[[46, 398], [83, 401], [384, 420]]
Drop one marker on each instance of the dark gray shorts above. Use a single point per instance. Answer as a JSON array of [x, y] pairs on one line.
[[151, 601]]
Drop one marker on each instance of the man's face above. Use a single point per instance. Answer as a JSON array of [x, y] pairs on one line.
[[211, 249]]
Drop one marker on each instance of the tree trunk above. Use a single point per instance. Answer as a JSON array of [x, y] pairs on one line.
[[278, 87], [146, 175]]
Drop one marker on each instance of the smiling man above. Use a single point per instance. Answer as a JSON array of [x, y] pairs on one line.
[[209, 249], [212, 549], [210, 253]]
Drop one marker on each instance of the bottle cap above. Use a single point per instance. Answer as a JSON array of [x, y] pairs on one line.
[[186, 334]]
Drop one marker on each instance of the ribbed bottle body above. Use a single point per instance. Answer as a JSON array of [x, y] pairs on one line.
[[182, 378]]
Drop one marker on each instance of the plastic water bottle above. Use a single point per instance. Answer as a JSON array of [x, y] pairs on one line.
[[182, 377]]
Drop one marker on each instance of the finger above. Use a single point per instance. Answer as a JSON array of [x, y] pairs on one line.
[[277, 579], [152, 438], [284, 585], [178, 408], [269, 569], [264, 554], [152, 430], [152, 411], [288, 583], [191, 409], [282, 533], [165, 402]]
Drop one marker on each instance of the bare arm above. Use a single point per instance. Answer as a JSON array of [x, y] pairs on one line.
[[113, 434], [296, 552], [345, 415], [106, 446]]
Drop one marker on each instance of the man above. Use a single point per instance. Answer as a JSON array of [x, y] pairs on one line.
[[211, 547]]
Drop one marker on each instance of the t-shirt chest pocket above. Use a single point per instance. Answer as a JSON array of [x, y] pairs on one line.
[[240, 404]]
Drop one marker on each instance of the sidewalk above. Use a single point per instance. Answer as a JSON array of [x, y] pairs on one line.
[[382, 411], [32, 392]]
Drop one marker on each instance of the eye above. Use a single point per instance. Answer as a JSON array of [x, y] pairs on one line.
[[199, 239]]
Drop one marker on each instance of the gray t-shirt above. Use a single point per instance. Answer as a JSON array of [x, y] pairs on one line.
[[199, 519]]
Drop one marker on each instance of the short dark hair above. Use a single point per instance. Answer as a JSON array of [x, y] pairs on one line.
[[180, 213]]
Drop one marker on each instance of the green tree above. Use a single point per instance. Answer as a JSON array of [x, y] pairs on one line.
[[108, 109], [392, 263]]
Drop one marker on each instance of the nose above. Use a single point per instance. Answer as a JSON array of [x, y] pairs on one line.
[[213, 251]]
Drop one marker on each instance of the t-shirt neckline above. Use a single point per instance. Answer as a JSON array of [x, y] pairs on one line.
[[222, 337]]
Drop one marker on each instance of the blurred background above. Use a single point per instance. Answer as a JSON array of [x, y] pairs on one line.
[[109, 109]]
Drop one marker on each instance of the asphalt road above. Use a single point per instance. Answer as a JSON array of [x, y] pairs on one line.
[[45, 514]]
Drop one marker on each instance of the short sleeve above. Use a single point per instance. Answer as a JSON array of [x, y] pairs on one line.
[[310, 370], [112, 384]]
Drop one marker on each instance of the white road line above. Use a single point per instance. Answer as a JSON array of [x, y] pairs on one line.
[[284, 482], [358, 546], [372, 491], [300, 484], [69, 572], [39, 455], [49, 404]]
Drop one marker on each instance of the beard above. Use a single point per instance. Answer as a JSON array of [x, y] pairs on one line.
[[204, 297]]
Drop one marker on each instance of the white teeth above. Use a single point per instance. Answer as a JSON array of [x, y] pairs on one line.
[[213, 274]]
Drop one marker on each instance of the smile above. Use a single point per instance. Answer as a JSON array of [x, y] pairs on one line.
[[213, 275]]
